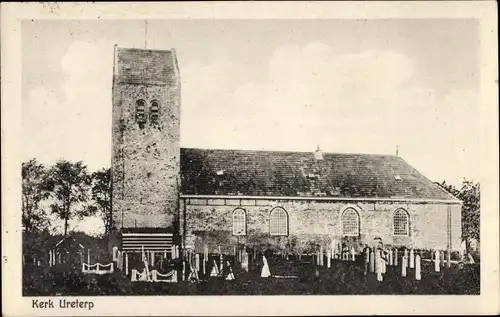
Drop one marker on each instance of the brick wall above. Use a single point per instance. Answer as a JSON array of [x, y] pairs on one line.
[[145, 160], [316, 223]]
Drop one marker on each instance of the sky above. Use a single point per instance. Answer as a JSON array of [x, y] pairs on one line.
[[354, 86]]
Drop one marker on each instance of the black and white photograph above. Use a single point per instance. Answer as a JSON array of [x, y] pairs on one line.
[[167, 157]]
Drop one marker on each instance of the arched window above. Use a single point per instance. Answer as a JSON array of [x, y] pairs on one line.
[[350, 223], [155, 111], [140, 111], [278, 222], [401, 223], [239, 222]]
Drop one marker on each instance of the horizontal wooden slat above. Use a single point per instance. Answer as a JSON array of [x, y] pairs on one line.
[[136, 242], [147, 238], [146, 244], [148, 249], [131, 234]]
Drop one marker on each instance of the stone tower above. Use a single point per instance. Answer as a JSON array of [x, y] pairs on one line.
[[146, 131]]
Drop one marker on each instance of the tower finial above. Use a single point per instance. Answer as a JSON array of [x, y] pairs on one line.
[[397, 150]]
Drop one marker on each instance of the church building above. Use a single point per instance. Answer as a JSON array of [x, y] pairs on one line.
[[163, 194]]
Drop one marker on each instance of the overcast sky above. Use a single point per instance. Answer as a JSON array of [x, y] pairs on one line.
[[362, 86]]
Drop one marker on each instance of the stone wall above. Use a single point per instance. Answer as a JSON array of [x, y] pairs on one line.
[[313, 223], [145, 158]]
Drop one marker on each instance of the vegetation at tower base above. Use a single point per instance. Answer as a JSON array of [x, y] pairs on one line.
[[101, 196]]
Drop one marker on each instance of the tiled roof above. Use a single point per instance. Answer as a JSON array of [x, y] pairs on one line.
[[137, 66], [299, 174]]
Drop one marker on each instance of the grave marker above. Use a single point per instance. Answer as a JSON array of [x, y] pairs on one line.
[[372, 261], [379, 271], [471, 259], [384, 261], [436, 261], [329, 259], [403, 266], [265, 268], [126, 263], [215, 270], [321, 255], [244, 262], [230, 276], [418, 276]]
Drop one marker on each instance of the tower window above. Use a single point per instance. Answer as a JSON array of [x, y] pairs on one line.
[[155, 111], [140, 111]]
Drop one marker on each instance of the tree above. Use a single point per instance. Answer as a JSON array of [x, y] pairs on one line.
[[69, 184], [470, 196], [101, 196], [34, 191]]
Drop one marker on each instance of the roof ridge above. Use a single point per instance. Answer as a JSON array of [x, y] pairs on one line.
[[287, 151]]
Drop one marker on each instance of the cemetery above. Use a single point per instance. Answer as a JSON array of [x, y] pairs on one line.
[[336, 271]]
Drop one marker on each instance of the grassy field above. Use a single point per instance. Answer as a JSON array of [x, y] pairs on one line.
[[341, 279]]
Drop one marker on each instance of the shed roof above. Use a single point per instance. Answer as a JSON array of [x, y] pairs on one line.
[[68, 241], [300, 174]]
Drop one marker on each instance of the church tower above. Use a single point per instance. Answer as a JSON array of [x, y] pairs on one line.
[[146, 132]]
